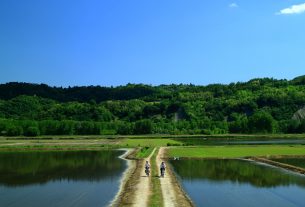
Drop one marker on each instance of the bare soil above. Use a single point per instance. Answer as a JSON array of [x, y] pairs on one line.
[[136, 189], [173, 194]]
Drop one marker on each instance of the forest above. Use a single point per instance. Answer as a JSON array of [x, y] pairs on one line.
[[259, 106]]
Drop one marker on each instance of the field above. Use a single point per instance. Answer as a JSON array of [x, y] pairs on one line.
[[158, 142], [147, 144], [193, 147], [235, 151]]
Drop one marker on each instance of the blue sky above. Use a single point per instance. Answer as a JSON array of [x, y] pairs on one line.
[[115, 42]]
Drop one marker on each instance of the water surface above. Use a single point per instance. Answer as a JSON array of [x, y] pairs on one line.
[[299, 162], [238, 183], [71, 178]]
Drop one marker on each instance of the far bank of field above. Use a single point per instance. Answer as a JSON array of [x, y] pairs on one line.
[[236, 151]]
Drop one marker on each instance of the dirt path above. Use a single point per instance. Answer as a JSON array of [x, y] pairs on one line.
[[142, 190], [173, 195], [137, 189]]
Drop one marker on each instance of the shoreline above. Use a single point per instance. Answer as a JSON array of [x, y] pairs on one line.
[[172, 190], [126, 194], [289, 168], [125, 176], [177, 180]]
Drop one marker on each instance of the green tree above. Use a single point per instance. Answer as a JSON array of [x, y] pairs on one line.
[[13, 130], [143, 127], [32, 131], [126, 128], [262, 122]]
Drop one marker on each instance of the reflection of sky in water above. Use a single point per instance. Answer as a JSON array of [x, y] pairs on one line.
[[287, 189], [61, 194], [93, 181], [229, 194]]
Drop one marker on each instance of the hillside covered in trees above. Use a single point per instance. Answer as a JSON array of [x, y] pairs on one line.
[[258, 106]]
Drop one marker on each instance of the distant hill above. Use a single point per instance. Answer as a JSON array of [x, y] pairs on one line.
[[300, 80], [130, 91], [79, 93], [261, 105]]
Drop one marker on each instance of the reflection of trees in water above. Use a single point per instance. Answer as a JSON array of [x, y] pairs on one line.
[[236, 171], [24, 168], [299, 162]]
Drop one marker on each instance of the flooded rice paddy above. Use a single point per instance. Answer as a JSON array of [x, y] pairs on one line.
[[79, 178], [295, 161], [239, 183]]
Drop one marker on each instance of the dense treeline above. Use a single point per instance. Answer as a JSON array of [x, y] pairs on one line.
[[80, 94], [257, 106]]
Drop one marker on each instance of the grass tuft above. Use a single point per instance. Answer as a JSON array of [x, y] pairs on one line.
[[144, 152], [156, 198]]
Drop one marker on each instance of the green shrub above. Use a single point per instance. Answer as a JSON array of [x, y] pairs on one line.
[[32, 131], [13, 130]]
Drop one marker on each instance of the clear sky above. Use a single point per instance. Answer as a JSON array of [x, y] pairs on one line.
[[115, 42]]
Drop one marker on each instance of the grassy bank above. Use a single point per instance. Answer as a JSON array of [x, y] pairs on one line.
[[76, 143], [156, 136], [144, 152], [57, 144], [54, 148], [148, 142], [156, 198], [235, 151]]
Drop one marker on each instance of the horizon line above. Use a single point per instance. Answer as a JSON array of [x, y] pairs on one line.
[[146, 84]]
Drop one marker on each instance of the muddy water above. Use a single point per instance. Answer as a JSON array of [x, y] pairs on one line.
[[238, 183], [84, 178]]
